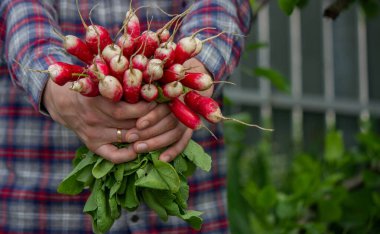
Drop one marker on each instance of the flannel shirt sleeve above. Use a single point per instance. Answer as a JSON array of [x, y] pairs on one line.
[[30, 43], [220, 55]]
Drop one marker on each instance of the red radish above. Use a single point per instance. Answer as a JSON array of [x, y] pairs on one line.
[[97, 37], [199, 43], [110, 51], [61, 73], [174, 73], [118, 65], [209, 109], [139, 62], [165, 52], [164, 35], [127, 43], [186, 47], [155, 69], [197, 81], [172, 89], [185, 115], [149, 92], [99, 66], [76, 47], [110, 88], [132, 82], [86, 86], [132, 23], [151, 41]]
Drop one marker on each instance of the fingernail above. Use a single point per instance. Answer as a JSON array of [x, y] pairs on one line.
[[144, 124], [141, 147], [132, 138], [165, 158]]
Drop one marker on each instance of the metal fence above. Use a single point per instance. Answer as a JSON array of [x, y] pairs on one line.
[[333, 69]]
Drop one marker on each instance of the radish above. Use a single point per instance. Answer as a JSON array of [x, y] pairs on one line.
[[127, 43], [186, 47], [85, 86], [132, 23], [164, 35], [151, 41], [172, 90], [76, 47], [185, 115], [174, 73], [140, 62], [149, 92], [118, 65], [199, 43], [132, 82], [197, 81], [110, 88], [209, 109], [97, 37], [110, 51], [98, 66], [155, 69], [61, 73], [165, 52]]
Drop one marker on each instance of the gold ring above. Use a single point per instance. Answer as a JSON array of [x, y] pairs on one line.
[[119, 135]]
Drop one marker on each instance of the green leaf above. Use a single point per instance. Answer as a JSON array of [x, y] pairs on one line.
[[334, 146], [371, 8], [183, 193], [167, 200], [287, 6], [132, 166], [101, 168], [192, 217], [267, 197], [150, 200], [276, 78], [167, 174], [180, 164], [132, 200], [329, 210], [254, 46], [195, 153], [114, 207], [104, 220], [151, 179], [91, 204], [80, 153], [70, 185], [85, 175]]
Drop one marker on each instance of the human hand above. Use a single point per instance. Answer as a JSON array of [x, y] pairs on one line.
[[164, 127], [95, 120]]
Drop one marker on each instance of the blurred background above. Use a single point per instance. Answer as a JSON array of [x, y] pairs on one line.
[[310, 71]]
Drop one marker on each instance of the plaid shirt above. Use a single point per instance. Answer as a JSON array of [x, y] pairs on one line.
[[36, 152]]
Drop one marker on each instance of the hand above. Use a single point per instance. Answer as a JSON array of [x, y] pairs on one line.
[[95, 120], [164, 127]]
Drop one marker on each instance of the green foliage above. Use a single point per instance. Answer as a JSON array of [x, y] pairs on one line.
[[161, 186], [335, 192]]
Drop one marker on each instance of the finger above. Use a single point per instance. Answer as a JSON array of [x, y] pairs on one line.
[[178, 147], [160, 141], [166, 124], [154, 116], [123, 110], [116, 155]]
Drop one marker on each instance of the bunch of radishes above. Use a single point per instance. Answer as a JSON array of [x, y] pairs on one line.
[[140, 66]]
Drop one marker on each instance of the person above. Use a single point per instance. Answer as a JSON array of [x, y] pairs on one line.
[[42, 124]]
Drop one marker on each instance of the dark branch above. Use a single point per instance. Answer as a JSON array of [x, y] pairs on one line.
[[336, 8]]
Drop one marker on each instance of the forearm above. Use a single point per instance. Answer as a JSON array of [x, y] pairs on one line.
[[220, 55], [31, 42]]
